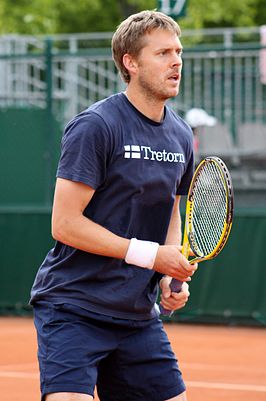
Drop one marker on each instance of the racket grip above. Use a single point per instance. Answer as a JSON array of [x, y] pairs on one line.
[[175, 286]]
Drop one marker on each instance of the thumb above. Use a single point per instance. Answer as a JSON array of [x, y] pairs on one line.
[[165, 286]]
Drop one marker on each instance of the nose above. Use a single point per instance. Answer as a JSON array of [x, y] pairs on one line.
[[177, 59]]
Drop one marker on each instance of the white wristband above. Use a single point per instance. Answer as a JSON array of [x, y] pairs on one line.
[[141, 253]]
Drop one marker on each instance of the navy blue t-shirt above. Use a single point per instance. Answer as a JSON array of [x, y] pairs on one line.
[[137, 167]]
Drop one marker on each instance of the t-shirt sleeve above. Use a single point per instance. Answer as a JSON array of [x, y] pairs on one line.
[[84, 151], [188, 174]]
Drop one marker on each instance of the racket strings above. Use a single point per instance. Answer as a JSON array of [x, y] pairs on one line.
[[210, 208]]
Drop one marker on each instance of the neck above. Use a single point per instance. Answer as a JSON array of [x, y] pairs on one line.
[[147, 105]]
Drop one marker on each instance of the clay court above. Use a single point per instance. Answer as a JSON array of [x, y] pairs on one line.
[[218, 363]]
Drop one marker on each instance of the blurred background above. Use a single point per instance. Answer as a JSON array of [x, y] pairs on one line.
[[55, 60]]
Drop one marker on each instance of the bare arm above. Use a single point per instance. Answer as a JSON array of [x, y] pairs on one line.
[[72, 228], [174, 234]]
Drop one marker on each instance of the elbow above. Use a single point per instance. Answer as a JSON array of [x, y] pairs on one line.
[[56, 233], [59, 231]]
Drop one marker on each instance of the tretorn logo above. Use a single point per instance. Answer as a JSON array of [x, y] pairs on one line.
[[132, 152], [146, 153]]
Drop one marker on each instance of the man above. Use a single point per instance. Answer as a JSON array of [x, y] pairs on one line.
[[125, 163]]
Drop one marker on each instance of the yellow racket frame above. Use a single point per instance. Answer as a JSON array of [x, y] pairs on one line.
[[188, 243]]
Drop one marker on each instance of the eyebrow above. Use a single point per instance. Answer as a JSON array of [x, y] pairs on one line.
[[169, 48]]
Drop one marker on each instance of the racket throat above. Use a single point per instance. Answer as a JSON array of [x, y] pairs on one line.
[[193, 245]]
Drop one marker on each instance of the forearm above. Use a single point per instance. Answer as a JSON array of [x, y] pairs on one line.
[[174, 234], [82, 233]]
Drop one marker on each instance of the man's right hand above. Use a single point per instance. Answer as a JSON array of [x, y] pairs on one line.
[[170, 261]]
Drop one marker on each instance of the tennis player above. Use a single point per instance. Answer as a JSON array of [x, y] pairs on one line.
[[125, 163]]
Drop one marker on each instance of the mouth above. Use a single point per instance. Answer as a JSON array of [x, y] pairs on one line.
[[175, 77]]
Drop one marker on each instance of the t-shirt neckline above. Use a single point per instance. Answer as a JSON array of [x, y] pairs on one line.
[[147, 119]]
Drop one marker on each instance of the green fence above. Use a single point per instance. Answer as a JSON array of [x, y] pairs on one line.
[[25, 238], [29, 149], [227, 81]]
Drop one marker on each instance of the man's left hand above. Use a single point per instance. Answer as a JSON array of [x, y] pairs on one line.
[[173, 300]]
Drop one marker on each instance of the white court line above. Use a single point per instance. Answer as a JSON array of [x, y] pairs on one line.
[[30, 366], [227, 386], [19, 375], [216, 367]]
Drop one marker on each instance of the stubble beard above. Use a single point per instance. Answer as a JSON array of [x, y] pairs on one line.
[[154, 91]]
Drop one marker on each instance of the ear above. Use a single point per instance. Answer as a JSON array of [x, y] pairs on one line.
[[130, 64]]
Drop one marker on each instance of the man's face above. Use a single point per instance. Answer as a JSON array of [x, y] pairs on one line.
[[159, 65]]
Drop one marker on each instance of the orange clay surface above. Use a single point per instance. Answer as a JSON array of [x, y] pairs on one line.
[[218, 363]]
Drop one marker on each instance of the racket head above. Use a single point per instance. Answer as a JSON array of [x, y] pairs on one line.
[[209, 211]]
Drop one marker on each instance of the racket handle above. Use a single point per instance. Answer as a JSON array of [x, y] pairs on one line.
[[175, 286]]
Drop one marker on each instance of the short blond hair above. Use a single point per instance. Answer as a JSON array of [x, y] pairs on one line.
[[129, 36]]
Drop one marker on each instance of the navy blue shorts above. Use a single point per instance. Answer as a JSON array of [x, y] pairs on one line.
[[127, 360]]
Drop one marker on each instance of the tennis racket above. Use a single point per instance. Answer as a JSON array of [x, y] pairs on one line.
[[209, 214]]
